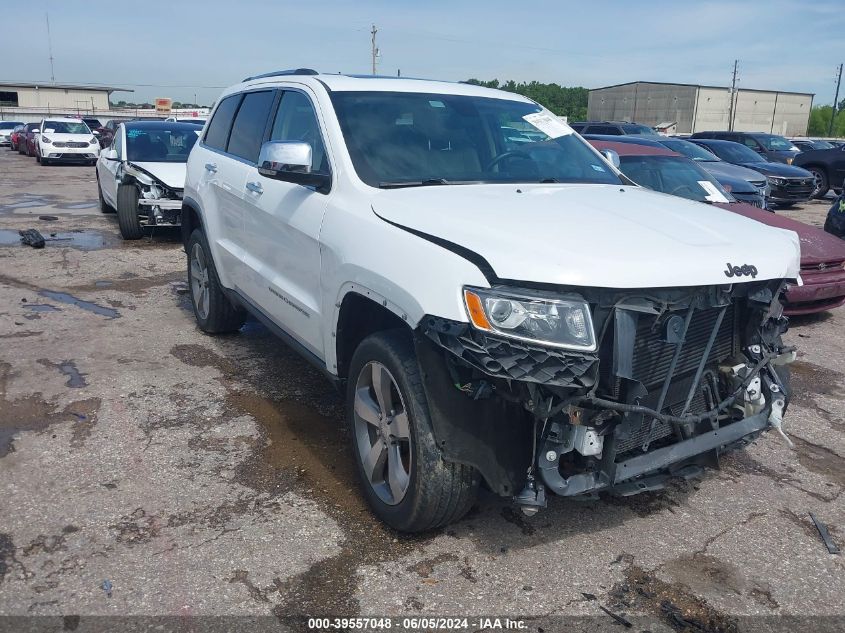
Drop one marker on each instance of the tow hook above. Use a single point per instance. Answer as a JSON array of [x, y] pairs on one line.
[[776, 419]]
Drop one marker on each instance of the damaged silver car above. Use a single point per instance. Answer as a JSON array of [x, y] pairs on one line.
[[141, 175]]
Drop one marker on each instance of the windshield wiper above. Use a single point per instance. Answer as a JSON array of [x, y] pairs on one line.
[[415, 183]]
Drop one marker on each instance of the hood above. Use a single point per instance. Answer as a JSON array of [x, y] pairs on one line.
[[779, 169], [606, 236], [68, 138], [724, 169], [171, 174], [781, 155], [816, 245]]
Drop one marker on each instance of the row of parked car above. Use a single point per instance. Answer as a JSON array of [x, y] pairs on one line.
[[501, 301], [795, 170]]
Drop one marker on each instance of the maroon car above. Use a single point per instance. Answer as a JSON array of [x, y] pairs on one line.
[[15, 136], [822, 254], [26, 140]]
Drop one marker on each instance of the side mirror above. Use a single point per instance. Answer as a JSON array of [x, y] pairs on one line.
[[110, 154], [612, 157], [290, 161], [36, 131], [95, 132]]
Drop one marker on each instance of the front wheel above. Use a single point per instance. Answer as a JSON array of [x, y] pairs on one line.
[[403, 475], [127, 212], [820, 181]]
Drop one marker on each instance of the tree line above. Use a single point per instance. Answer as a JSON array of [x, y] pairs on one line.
[[569, 102], [820, 121]]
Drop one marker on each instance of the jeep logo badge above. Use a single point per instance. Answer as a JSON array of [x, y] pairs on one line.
[[746, 270]]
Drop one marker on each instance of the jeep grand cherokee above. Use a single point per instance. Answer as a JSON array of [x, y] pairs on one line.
[[499, 302]]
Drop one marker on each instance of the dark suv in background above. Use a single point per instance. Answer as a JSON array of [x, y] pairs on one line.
[[775, 148], [612, 128], [827, 167]]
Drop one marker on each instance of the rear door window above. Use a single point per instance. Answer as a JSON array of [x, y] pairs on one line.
[[250, 125], [217, 134]]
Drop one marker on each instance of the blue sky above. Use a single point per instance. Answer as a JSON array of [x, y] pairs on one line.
[[189, 48]]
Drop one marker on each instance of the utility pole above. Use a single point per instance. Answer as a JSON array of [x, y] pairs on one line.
[[374, 48], [835, 102], [50, 48], [733, 92]]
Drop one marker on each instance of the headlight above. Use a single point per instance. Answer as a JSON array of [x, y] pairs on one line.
[[93, 141], [564, 322], [44, 139], [774, 180], [788, 161]]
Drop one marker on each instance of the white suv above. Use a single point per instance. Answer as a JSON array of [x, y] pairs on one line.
[[516, 313], [66, 140]]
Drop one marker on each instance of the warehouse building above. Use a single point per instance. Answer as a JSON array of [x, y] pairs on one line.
[[31, 101], [687, 108]]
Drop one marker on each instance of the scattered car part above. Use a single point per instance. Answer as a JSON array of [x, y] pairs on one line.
[[31, 237], [825, 534]]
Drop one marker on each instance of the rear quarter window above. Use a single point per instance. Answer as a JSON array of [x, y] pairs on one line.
[[217, 134]]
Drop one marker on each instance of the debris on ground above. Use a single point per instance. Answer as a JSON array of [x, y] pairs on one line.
[[591, 597], [48, 218], [31, 237], [823, 532], [107, 587]]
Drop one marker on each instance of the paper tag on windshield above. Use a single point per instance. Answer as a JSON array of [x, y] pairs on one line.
[[713, 194], [49, 130], [548, 124]]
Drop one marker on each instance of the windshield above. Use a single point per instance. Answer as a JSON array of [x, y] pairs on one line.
[[774, 142], [402, 138], [690, 150], [639, 130], [675, 176], [8, 125], [160, 145], [65, 127], [736, 153]]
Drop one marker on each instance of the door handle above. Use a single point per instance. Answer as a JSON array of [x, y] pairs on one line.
[[255, 187], [211, 167]]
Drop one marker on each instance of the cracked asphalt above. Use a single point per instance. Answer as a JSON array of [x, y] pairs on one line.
[[212, 476]]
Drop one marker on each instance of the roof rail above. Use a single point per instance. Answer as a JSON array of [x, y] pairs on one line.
[[290, 71]]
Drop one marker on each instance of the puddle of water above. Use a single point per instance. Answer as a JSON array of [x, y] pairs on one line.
[[103, 283], [42, 307], [78, 205], [75, 379], [63, 297], [82, 240], [26, 204]]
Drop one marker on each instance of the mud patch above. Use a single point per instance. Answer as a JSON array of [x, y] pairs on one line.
[[199, 356], [64, 297], [302, 450], [674, 604], [645, 504], [7, 554], [75, 379], [821, 460], [131, 283], [808, 378], [32, 413], [426, 567]]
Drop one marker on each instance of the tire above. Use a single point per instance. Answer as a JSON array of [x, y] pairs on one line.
[[436, 492], [822, 183], [216, 314], [127, 212], [104, 206]]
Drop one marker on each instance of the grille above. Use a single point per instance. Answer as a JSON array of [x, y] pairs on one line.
[[832, 266], [798, 187], [755, 200]]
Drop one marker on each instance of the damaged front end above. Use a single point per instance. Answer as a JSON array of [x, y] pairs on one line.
[[158, 203], [661, 382]]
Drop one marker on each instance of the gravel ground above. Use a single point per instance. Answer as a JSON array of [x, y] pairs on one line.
[[205, 476]]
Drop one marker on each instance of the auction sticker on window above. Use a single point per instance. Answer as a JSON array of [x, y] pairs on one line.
[[548, 124], [713, 194]]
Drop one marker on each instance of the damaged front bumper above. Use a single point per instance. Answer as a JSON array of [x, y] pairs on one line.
[[676, 380]]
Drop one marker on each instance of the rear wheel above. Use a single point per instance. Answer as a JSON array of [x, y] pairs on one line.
[[821, 183], [127, 212], [403, 475], [214, 312]]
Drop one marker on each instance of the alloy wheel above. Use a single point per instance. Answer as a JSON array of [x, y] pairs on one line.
[[199, 281], [382, 433]]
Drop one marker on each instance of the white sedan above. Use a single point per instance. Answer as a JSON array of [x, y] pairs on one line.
[[141, 174]]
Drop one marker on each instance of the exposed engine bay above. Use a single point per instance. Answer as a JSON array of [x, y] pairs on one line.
[[158, 204], [678, 376]]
